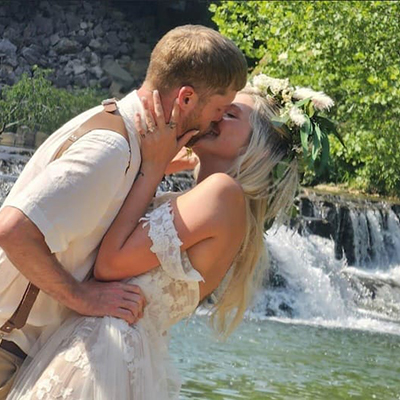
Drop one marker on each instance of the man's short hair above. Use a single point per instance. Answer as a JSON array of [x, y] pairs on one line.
[[196, 56]]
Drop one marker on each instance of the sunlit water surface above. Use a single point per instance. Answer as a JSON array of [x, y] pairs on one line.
[[280, 360]]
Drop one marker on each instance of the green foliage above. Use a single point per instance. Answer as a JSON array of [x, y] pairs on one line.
[[348, 49], [37, 104]]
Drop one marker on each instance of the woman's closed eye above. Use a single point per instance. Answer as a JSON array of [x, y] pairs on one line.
[[230, 115]]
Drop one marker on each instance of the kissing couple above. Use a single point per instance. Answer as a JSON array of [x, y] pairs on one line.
[[85, 204]]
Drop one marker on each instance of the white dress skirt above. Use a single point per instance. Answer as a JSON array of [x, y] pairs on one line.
[[90, 358]]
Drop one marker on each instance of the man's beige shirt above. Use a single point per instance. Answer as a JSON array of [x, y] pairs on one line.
[[72, 201]]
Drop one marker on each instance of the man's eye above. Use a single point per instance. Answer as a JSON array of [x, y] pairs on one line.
[[230, 115]]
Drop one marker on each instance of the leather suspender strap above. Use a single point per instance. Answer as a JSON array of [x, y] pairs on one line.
[[103, 120], [18, 319]]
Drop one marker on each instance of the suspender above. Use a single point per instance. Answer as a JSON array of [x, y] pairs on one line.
[[105, 119]]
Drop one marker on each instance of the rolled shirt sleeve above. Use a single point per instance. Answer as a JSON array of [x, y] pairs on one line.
[[67, 199]]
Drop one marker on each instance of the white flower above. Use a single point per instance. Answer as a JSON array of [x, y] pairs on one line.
[[303, 93], [297, 116], [262, 82], [320, 100], [283, 56]]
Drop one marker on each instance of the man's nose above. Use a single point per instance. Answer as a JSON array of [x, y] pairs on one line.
[[218, 116]]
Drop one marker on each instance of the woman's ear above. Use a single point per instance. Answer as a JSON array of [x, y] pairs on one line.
[[188, 99]]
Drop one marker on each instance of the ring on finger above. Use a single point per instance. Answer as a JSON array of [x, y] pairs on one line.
[[143, 135], [172, 124], [151, 128]]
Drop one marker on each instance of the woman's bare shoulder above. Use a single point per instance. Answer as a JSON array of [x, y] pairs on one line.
[[221, 184]]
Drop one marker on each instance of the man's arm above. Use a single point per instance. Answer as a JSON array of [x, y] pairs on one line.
[[26, 248]]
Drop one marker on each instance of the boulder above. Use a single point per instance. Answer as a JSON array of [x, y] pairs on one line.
[[31, 55], [54, 39], [73, 21], [44, 25], [67, 46], [118, 74], [95, 44], [7, 47], [96, 71]]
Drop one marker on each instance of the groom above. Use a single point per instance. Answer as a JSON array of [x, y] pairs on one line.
[[52, 222]]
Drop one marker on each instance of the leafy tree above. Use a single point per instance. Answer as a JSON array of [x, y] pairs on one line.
[[348, 49], [37, 104]]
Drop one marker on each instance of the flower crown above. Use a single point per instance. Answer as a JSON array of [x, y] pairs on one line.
[[299, 115]]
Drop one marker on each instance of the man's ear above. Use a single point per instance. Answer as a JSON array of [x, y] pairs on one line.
[[188, 99]]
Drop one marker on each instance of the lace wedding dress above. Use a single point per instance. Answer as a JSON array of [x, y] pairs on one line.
[[92, 358]]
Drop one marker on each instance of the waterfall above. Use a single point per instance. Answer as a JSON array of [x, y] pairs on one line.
[[311, 282]]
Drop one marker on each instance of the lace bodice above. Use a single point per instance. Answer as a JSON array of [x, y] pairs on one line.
[[172, 289]]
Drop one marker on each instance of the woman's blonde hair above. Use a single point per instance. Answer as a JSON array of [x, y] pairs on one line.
[[197, 56], [266, 199]]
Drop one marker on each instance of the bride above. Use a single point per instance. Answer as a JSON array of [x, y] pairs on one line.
[[178, 253]]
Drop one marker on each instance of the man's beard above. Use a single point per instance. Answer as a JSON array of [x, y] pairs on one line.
[[192, 122]]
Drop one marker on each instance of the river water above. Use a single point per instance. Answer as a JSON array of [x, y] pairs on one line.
[[335, 344], [323, 330]]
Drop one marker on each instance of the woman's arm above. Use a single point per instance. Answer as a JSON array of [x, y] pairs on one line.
[[210, 221], [157, 150]]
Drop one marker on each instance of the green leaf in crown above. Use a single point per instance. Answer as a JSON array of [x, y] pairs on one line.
[[300, 110]]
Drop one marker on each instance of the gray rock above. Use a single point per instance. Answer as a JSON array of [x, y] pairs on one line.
[[12, 61], [44, 25], [7, 74], [93, 82], [122, 35], [80, 80], [116, 90], [64, 59], [45, 6], [19, 70], [113, 39], [38, 48], [87, 7], [84, 40], [138, 68], [98, 31], [109, 49], [13, 36], [7, 48], [118, 74], [95, 44], [79, 69], [105, 82], [31, 55], [141, 50], [61, 80], [45, 43], [83, 25], [94, 59], [54, 39], [97, 71], [67, 46], [72, 21], [52, 53], [117, 15], [124, 49], [86, 55], [2, 28]]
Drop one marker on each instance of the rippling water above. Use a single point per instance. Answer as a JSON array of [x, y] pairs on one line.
[[274, 360]]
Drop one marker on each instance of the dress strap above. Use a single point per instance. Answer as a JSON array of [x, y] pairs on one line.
[[166, 244]]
